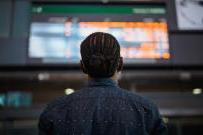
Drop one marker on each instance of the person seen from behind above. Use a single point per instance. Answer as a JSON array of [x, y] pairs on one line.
[[101, 107]]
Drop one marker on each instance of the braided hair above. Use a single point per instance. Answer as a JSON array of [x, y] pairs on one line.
[[100, 54]]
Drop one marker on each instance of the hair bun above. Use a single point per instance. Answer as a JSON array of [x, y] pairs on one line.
[[96, 60]]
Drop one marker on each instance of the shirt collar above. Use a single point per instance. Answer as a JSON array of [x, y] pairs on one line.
[[102, 82]]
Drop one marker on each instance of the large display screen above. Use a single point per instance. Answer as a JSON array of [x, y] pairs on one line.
[[57, 31]]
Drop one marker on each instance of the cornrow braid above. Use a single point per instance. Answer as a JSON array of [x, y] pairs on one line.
[[100, 54]]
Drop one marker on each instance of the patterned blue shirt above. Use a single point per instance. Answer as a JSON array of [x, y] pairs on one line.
[[101, 108]]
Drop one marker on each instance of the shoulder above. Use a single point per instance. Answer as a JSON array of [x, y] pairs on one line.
[[52, 112], [149, 110], [145, 106], [54, 108], [60, 103], [139, 100]]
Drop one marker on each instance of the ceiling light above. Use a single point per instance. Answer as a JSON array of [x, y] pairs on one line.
[[69, 91], [197, 91]]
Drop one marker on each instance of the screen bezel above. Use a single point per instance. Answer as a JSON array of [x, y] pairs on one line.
[[159, 63]]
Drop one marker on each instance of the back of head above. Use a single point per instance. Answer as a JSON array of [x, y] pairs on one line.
[[100, 55]]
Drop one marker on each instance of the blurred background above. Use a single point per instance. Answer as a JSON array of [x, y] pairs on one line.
[[161, 42]]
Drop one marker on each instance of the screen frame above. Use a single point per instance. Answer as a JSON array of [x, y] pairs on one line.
[[165, 64]]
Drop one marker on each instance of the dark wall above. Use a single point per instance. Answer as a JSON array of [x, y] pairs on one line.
[[14, 29], [185, 46]]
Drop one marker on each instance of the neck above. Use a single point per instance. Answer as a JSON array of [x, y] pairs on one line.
[[114, 78]]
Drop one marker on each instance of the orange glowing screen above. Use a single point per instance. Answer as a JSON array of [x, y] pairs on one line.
[[147, 40]]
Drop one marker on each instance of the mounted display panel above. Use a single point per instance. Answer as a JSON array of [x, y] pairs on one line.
[[57, 30]]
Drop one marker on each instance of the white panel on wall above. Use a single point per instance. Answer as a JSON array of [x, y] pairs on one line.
[[189, 14]]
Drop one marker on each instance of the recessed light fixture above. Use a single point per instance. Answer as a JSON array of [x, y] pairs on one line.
[[197, 91], [69, 91], [165, 119]]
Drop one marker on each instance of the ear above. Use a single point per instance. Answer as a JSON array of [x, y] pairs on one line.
[[120, 64], [82, 66]]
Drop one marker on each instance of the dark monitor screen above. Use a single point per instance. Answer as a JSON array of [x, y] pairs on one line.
[[56, 31]]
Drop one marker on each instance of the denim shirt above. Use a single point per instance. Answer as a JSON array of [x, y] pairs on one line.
[[101, 108]]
